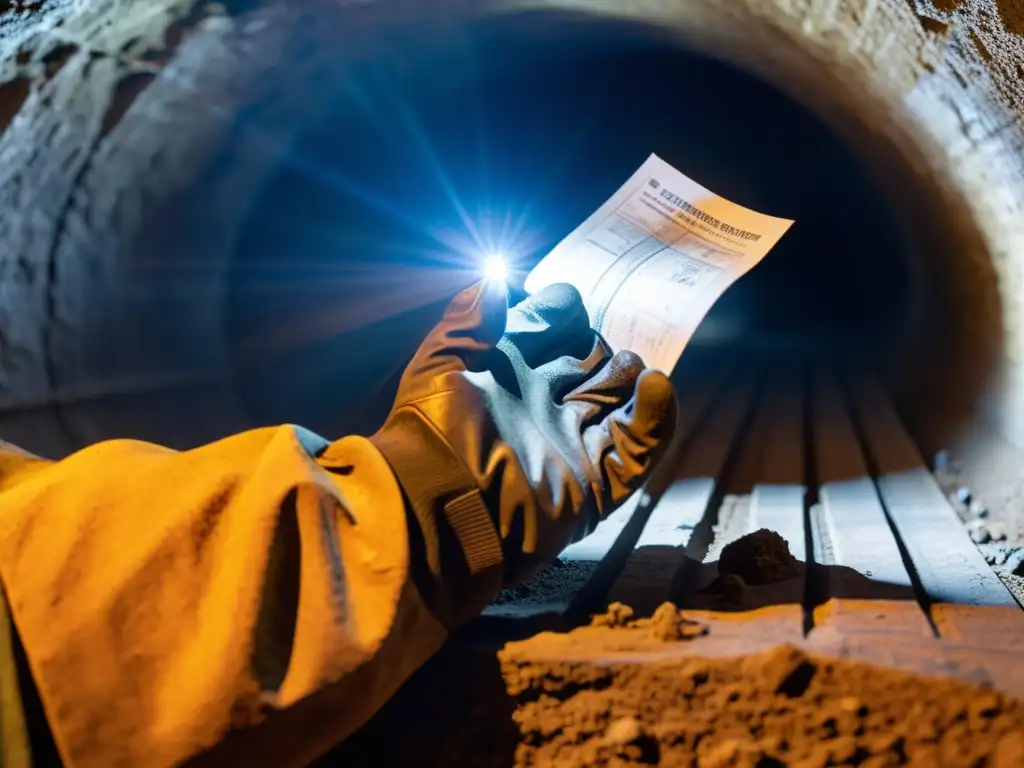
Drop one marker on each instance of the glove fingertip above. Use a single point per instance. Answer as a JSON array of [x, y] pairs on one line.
[[481, 310], [494, 308], [654, 409]]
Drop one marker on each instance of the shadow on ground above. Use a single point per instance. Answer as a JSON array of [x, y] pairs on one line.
[[453, 712]]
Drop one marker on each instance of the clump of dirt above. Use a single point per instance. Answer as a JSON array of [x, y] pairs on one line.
[[780, 708], [761, 557], [617, 615], [667, 624]]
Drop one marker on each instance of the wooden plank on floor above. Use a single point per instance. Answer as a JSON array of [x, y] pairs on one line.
[[760, 495], [864, 584], [969, 603], [778, 500], [734, 514], [647, 576]]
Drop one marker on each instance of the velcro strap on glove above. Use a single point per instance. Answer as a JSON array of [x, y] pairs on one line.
[[461, 551]]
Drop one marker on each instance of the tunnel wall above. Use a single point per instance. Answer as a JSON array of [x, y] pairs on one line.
[[119, 206], [139, 132]]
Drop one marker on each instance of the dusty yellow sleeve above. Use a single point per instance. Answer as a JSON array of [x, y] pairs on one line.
[[238, 604]]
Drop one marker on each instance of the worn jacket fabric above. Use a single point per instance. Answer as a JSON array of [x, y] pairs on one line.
[[170, 602]]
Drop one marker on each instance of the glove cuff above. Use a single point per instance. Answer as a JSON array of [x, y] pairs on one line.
[[457, 561]]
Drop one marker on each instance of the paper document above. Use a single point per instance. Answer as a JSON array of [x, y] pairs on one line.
[[652, 260]]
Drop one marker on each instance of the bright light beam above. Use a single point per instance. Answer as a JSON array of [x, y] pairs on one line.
[[495, 268]]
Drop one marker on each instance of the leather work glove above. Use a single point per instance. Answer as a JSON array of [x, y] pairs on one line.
[[513, 433]]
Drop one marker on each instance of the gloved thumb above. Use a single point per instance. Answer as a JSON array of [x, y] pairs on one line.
[[471, 325], [628, 443], [549, 325]]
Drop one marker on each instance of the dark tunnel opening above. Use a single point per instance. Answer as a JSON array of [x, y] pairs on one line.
[[523, 127]]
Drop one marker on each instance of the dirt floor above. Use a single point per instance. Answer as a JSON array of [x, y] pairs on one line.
[[628, 690], [587, 698], [780, 708]]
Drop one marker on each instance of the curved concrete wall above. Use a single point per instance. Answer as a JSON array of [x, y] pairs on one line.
[[136, 145]]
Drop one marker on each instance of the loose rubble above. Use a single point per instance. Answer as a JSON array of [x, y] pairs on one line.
[[1013, 561], [993, 524], [551, 585]]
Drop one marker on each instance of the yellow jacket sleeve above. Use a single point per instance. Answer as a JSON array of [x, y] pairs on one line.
[[244, 603]]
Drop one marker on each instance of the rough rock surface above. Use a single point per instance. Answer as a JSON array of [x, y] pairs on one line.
[[115, 110]]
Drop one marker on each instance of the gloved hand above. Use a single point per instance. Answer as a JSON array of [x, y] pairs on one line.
[[513, 433]]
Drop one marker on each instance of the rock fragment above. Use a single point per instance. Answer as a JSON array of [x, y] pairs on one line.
[[979, 532], [997, 531]]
